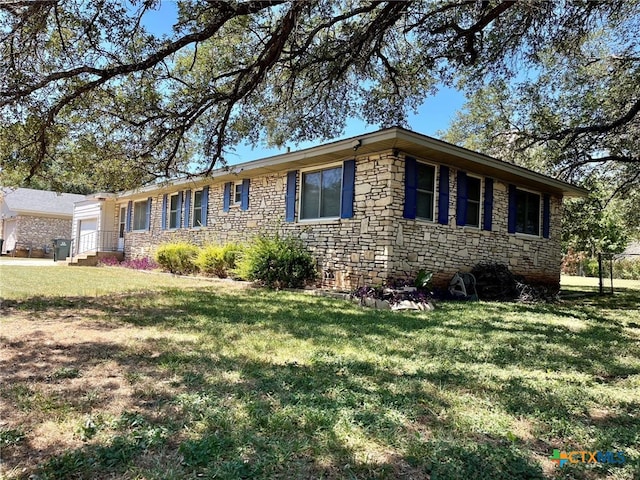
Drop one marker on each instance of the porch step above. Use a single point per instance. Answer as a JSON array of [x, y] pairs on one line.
[[91, 259]]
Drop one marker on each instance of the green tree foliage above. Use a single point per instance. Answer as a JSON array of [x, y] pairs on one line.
[[576, 116], [84, 83], [595, 224]]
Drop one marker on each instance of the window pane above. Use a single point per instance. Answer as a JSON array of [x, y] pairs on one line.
[[140, 215], [311, 195], [533, 214], [473, 214], [238, 193], [521, 210], [425, 189], [123, 221], [473, 188], [173, 212], [426, 176], [424, 205], [527, 213], [197, 209], [330, 196]]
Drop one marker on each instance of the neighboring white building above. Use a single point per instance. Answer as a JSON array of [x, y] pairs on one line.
[[30, 219], [92, 230]]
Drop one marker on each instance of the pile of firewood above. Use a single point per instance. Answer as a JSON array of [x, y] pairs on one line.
[[495, 282]]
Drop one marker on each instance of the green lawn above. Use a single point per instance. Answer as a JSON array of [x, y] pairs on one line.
[[181, 378]]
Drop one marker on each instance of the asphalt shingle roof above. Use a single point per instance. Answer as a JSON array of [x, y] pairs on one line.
[[39, 201], [632, 250]]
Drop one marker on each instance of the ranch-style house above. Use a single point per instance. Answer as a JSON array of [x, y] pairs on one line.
[[378, 206]]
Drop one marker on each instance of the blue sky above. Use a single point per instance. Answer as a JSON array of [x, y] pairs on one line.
[[434, 115]]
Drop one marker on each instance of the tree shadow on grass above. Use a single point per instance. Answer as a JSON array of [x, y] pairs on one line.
[[234, 415], [331, 418], [312, 421]]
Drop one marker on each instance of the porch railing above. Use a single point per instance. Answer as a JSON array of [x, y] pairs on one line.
[[98, 241]]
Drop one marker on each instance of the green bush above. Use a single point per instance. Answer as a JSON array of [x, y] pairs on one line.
[[590, 268], [277, 262], [626, 268], [178, 257], [218, 260]]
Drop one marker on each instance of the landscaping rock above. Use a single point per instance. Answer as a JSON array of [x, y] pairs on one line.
[[383, 305], [406, 305], [370, 302]]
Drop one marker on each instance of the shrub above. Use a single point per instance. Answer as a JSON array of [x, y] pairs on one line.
[[277, 262], [623, 268], [178, 257], [590, 267], [626, 268], [218, 260]]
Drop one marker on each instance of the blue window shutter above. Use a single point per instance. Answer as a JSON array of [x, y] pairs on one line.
[[129, 215], [348, 188], [290, 199], [226, 196], [461, 206], [149, 213], [513, 208], [179, 214], [164, 212], [488, 204], [205, 205], [546, 215], [187, 208], [410, 187], [443, 196], [244, 200]]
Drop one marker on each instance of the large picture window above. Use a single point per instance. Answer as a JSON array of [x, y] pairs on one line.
[[140, 215], [425, 191], [527, 212], [321, 194]]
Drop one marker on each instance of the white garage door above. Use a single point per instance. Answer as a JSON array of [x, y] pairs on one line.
[[87, 240]]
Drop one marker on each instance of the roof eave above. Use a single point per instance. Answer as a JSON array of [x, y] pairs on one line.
[[394, 137]]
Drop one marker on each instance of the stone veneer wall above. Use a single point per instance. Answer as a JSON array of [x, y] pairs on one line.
[[376, 243], [39, 231], [447, 249], [350, 252]]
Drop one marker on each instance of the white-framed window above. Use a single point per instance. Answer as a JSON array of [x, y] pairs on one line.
[[197, 208], [425, 191], [174, 211], [236, 198], [474, 193], [140, 215], [527, 212], [321, 192]]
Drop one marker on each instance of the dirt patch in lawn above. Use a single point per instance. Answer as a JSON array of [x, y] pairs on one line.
[[58, 372]]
